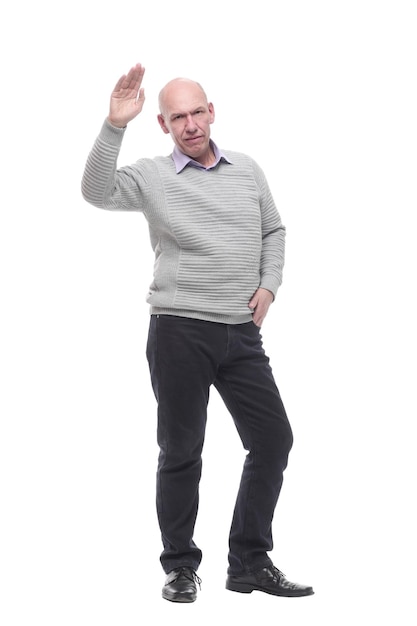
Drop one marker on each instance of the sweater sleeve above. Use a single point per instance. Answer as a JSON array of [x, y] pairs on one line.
[[102, 184], [273, 237]]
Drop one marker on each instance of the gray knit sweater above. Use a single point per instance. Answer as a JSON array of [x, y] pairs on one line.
[[216, 234]]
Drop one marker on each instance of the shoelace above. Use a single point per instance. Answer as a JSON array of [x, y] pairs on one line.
[[276, 573], [185, 572]]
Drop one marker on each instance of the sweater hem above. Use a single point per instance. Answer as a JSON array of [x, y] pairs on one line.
[[206, 316]]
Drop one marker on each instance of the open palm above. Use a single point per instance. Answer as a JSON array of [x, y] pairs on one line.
[[127, 98]]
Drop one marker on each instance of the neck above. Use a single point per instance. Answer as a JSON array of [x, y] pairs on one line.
[[207, 159]]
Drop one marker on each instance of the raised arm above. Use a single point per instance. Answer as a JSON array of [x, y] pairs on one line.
[[101, 185], [127, 97]]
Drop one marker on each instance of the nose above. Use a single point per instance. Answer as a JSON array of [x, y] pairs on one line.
[[190, 126]]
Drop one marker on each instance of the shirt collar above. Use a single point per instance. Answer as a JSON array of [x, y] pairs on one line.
[[181, 160]]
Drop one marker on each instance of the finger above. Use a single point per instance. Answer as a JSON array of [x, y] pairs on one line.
[[119, 83], [131, 81], [257, 320], [135, 76]]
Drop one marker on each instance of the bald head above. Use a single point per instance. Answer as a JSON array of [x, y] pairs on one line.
[[177, 90]]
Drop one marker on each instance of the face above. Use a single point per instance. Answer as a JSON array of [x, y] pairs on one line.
[[186, 116]]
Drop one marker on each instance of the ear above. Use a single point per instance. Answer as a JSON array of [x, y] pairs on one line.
[[162, 123], [211, 111]]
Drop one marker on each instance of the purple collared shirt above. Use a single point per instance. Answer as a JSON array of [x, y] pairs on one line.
[[181, 160]]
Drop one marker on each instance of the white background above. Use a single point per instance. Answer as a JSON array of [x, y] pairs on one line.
[[323, 95]]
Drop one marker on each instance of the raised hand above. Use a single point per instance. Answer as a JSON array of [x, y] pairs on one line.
[[127, 97]]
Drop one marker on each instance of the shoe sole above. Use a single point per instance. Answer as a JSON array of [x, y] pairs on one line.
[[246, 588]]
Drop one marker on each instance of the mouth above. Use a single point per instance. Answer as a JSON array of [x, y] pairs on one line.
[[193, 140]]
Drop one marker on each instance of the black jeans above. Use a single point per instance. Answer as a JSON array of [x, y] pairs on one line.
[[187, 356]]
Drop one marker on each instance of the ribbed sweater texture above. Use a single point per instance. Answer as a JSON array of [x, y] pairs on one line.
[[216, 234]]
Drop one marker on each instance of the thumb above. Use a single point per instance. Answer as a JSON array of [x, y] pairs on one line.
[[253, 302]]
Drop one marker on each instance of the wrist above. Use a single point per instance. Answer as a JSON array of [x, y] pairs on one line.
[[115, 123]]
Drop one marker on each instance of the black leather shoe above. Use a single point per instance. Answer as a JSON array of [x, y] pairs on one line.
[[181, 585], [270, 580]]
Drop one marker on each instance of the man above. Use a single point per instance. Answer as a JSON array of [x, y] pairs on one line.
[[219, 253]]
